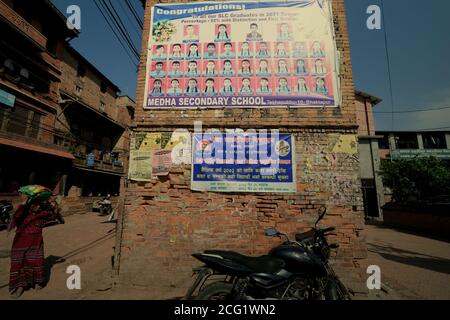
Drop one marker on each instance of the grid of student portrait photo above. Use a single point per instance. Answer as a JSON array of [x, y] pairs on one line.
[[284, 67]]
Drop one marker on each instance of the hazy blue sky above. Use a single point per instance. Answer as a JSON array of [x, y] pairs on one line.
[[418, 41]]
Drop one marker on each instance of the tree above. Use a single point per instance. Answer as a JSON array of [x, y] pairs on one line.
[[418, 178]]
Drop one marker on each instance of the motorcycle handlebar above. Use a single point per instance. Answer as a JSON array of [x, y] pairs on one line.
[[328, 229]]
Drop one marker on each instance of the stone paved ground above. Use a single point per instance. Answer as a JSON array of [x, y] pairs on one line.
[[412, 266], [84, 241]]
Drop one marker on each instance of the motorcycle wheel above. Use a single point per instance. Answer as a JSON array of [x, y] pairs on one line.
[[335, 290], [215, 291]]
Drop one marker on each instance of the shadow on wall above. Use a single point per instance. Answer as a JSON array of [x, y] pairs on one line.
[[411, 258]]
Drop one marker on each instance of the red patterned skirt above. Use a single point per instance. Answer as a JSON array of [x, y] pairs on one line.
[[27, 261]]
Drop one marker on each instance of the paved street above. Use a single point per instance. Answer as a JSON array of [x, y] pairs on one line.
[[86, 241], [412, 266]]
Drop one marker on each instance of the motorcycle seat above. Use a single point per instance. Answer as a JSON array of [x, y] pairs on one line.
[[261, 264], [304, 235]]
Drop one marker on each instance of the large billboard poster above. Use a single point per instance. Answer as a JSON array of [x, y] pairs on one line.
[[243, 163], [241, 54]]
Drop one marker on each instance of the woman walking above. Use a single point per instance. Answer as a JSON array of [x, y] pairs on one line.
[[27, 252]]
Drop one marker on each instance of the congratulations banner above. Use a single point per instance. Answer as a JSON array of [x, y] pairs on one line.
[[241, 54], [243, 163]]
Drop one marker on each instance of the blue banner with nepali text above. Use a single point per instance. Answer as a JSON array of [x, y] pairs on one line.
[[243, 162]]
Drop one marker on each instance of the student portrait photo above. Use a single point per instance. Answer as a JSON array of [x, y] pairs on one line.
[[228, 51], [209, 88], [177, 51], [228, 68], [281, 50], [302, 86], [300, 67], [227, 87], [254, 34], [222, 33], [210, 51], [320, 87], [245, 68], [299, 50], [264, 86], [246, 88], [192, 88], [192, 69], [282, 68], [158, 70], [156, 88], [246, 50], [283, 87], [193, 52], [263, 68], [190, 33], [210, 69], [159, 52], [284, 32], [175, 70], [317, 50], [175, 88], [263, 50], [319, 67]]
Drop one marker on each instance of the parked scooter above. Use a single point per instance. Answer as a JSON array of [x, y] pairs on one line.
[[295, 270], [104, 206], [6, 210]]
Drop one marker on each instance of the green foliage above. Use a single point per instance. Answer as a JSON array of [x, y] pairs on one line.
[[419, 178]]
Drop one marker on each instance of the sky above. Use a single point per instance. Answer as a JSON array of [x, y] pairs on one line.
[[417, 41]]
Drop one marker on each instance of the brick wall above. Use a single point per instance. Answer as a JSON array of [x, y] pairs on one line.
[[90, 84], [164, 221], [365, 121]]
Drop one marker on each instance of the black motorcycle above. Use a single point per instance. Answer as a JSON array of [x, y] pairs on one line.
[[6, 209], [295, 270]]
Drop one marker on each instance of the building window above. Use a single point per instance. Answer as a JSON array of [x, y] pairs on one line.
[[102, 106], [52, 46], [78, 90], [18, 120], [131, 113], [434, 141], [103, 87], [2, 115], [81, 70], [383, 143], [35, 124], [406, 141]]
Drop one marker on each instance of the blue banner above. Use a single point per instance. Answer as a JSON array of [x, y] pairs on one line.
[[7, 98], [243, 162], [178, 11]]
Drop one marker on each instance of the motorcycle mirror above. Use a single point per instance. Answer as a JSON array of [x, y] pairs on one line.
[[322, 211], [271, 232]]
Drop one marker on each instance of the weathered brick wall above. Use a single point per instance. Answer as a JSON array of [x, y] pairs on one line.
[[164, 221], [90, 84], [365, 119]]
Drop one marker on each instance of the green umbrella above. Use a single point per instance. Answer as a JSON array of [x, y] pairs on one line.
[[36, 192]]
